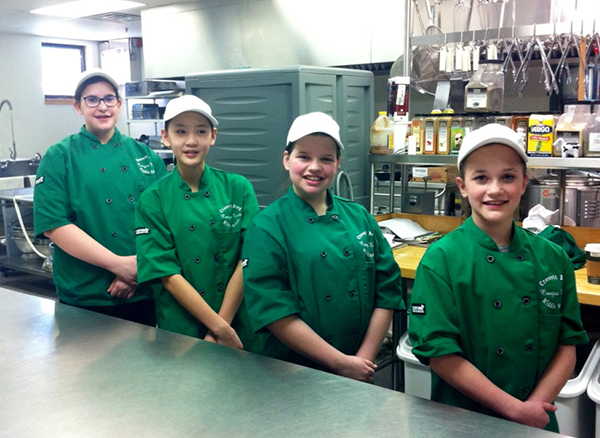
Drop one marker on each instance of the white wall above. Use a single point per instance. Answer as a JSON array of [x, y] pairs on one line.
[[214, 35], [36, 125]]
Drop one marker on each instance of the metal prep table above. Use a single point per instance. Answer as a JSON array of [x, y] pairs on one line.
[[67, 372]]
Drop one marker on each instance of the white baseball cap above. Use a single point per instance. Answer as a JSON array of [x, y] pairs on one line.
[[187, 103], [312, 123], [95, 72], [491, 134]]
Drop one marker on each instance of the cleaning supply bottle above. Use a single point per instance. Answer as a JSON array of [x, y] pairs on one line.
[[382, 135]]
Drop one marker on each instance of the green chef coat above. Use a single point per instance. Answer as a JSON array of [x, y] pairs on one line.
[[94, 186], [198, 235], [506, 313], [331, 271]]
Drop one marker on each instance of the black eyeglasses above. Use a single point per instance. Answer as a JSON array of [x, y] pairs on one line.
[[94, 101]]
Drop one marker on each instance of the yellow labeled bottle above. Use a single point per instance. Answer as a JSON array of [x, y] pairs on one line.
[[382, 135]]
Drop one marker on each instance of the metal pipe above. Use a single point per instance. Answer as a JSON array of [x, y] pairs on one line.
[[13, 152]]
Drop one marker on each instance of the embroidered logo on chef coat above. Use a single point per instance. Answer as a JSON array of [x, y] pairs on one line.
[[365, 239], [231, 215], [141, 231], [40, 180], [418, 309], [145, 165], [551, 291]]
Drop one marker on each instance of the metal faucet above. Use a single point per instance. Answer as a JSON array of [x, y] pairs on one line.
[[13, 152]]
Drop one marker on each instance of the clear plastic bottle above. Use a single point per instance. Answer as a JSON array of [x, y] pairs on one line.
[[568, 138], [382, 135], [443, 137], [485, 90], [415, 130], [429, 133], [591, 138]]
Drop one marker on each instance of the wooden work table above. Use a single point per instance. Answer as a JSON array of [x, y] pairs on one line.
[[408, 258]]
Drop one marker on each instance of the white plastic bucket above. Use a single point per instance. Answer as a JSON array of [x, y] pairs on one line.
[[417, 378]]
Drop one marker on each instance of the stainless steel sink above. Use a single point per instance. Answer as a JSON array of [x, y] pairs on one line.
[[19, 166]]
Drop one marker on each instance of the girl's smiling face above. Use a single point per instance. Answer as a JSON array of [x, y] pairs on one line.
[[101, 120], [190, 135], [312, 164], [493, 181]]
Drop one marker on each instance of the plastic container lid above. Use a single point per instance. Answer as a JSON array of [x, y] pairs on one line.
[[404, 351], [593, 249]]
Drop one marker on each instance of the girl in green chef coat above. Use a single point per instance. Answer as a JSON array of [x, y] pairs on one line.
[[494, 308], [319, 276], [86, 189], [190, 227]]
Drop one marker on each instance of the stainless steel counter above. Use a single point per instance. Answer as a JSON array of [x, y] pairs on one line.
[[67, 372]]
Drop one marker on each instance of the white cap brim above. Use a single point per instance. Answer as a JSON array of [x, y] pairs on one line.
[[188, 103], [312, 123], [492, 133], [96, 72]]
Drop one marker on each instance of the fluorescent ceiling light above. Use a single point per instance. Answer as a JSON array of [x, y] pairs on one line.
[[85, 8]]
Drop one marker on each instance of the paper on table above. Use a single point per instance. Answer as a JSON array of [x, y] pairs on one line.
[[406, 229]]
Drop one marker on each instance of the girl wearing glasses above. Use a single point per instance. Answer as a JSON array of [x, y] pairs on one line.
[[86, 189]]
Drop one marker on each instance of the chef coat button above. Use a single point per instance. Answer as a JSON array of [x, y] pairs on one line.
[[328, 297], [499, 351], [311, 220], [197, 260], [131, 199], [529, 348], [220, 288], [216, 256], [497, 304], [212, 223], [103, 169], [352, 294], [124, 168], [117, 145], [187, 196], [335, 217], [207, 193], [520, 258], [109, 201], [490, 259], [95, 146], [192, 227], [526, 301], [329, 339], [202, 293], [353, 336], [346, 253], [114, 234], [323, 254], [526, 391]]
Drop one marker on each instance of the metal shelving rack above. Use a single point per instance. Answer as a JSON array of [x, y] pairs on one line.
[[405, 161]]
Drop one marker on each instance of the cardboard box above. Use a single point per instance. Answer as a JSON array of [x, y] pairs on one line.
[[438, 174]]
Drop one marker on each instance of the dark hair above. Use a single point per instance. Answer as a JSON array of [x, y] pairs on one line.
[[290, 146], [90, 81]]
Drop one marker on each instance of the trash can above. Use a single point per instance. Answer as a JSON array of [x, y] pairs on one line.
[[576, 415], [593, 392], [417, 378]]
